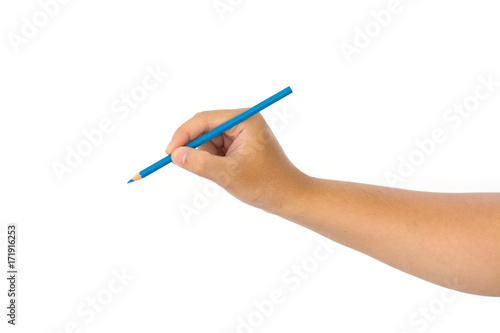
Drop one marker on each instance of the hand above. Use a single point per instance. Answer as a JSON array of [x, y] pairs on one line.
[[246, 160]]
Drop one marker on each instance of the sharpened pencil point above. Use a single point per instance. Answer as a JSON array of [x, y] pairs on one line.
[[130, 181]]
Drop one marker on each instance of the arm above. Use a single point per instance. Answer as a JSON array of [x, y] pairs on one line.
[[449, 239]]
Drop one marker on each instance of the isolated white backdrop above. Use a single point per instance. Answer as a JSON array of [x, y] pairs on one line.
[[346, 120]]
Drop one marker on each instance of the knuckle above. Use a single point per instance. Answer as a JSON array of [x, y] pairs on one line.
[[198, 169], [178, 132], [197, 164], [201, 114]]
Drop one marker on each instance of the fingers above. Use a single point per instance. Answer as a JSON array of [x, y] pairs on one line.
[[200, 124], [199, 162]]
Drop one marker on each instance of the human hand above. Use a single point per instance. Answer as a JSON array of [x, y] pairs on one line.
[[246, 160]]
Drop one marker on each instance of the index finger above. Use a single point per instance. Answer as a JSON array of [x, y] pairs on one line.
[[199, 124]]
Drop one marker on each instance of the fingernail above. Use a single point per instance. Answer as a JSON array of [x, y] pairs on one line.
[[180, 157]]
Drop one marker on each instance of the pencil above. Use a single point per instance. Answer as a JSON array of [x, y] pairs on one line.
[[215, 132]]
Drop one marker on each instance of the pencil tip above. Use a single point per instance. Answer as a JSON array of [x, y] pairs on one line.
[[130, 181]]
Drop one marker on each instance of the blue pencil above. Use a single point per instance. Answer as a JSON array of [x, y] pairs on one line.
[[215, 132]]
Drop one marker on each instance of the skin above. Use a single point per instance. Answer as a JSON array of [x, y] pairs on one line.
[[450, 239]]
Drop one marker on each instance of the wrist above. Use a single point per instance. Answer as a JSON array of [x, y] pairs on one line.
[[294, 198]]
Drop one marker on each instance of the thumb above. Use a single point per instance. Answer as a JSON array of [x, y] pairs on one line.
[[199, 162]]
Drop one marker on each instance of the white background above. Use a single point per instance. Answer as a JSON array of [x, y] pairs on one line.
[[351, 121]]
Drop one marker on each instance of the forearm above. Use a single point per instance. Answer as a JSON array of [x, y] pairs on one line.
[[449, 239]]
